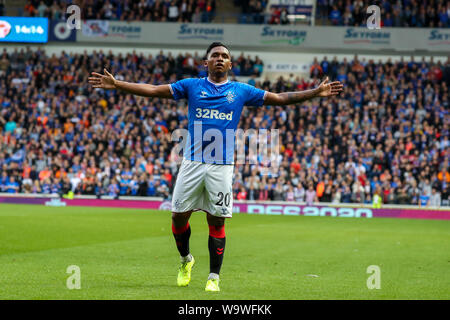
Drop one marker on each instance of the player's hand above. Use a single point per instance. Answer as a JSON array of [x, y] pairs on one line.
[[105, 81], [327, 89]]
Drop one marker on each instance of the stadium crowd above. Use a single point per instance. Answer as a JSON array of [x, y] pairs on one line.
[[129, 10], [387, 134], [394, 13]]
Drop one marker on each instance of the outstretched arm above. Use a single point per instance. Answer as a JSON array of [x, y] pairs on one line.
[[108, 82], [325, 89]]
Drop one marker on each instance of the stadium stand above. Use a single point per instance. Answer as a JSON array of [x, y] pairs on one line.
[[387, 134], [141, 10], [404, 13]]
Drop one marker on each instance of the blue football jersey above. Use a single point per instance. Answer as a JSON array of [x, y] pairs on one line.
[[214, 113]]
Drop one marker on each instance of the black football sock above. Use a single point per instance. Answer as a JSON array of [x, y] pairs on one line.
[[216, 246], [182, 236]]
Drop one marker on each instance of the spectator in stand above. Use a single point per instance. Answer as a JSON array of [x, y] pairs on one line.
[[310, 195], [290, 195], [299, 193], [258, 67], [275, 16], [446, 196], [12, 186], [242, 194], [322, 10], [263, 194], [346, 194], [315, 71], [278, 193], [326, 197], [173, 12], [258, 12], [388, 22], [284, 19], [335, 16], [435, 198]]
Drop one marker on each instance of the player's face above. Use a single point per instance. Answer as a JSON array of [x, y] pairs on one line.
[[219, 61]]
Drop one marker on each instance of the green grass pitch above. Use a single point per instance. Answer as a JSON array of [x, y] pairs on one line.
[[131, 254]]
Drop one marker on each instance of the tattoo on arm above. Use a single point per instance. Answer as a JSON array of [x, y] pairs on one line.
[[297, 97]]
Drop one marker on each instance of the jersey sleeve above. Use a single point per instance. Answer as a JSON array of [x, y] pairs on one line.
[[180, 89], [253, 96]]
